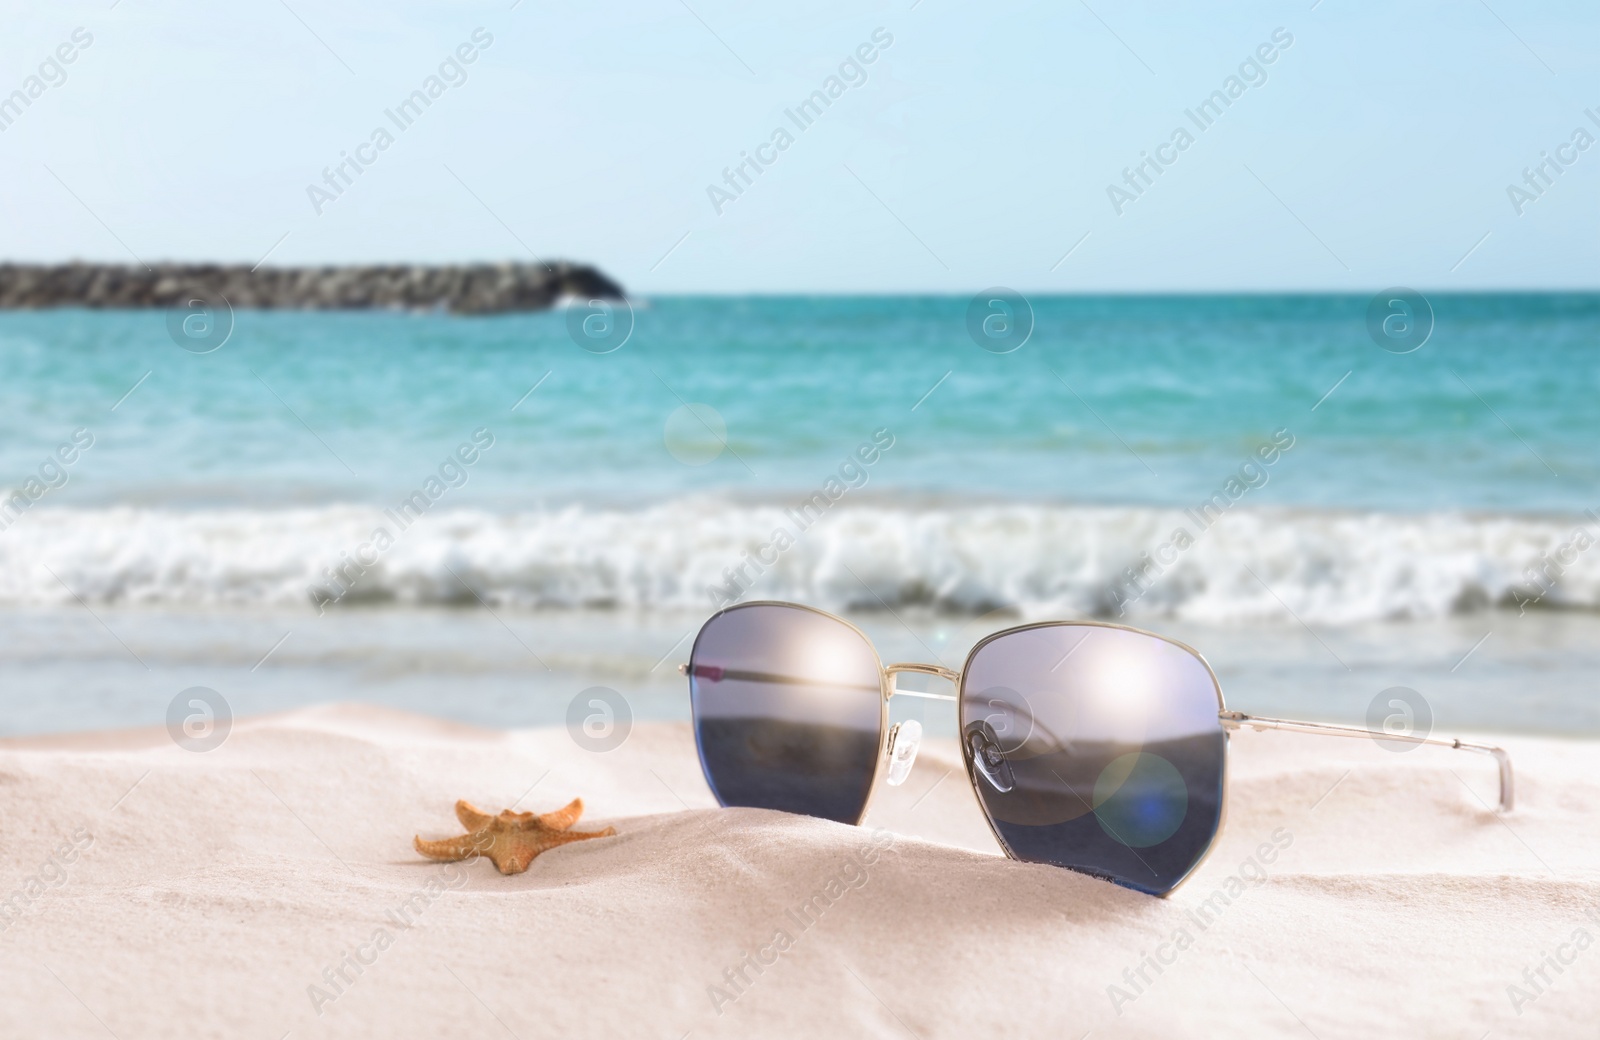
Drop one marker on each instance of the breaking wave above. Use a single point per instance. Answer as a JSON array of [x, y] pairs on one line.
[[1327, 567]]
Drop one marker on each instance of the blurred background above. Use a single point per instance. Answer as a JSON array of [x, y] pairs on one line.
[[1312, 283]]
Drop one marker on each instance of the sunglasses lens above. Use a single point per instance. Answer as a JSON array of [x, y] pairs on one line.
[[788, 711], [1096, 749]]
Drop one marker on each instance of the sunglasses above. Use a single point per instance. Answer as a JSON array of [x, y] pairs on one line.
[[1090, 746]]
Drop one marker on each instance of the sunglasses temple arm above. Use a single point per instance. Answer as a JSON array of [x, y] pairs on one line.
[[1232, 720]]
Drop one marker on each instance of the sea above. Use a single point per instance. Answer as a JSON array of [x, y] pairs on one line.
[[1325, 510]]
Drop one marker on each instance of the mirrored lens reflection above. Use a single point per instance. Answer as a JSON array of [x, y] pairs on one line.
[[1096, 749], [787, 711]]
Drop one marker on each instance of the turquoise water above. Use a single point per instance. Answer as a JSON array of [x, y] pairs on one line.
[[1404, 535], [1113, 400]]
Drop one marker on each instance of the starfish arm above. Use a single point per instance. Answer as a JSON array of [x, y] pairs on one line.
[[561, 819], [471, 817], [449, 849], [514, 858], [568, 836], [513, 855]]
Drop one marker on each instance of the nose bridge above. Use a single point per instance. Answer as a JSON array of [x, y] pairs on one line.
[[923, 669], [917, 668]]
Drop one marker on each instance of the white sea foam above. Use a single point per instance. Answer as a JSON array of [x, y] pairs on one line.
[[1326, 567]]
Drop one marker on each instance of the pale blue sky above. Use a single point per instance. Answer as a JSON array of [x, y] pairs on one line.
[[977, 152]]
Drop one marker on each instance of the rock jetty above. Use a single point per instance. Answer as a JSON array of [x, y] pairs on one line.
[[467, 289]]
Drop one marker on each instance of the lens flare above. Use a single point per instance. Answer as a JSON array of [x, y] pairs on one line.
[[1121, 773]]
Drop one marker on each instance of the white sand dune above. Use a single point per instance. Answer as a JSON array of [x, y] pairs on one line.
[[146, 891]]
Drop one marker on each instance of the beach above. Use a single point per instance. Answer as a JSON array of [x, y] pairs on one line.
[[427, 419], [387, 561], [268, 887]]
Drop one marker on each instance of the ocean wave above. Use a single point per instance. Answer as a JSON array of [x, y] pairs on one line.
[[1039, 560]]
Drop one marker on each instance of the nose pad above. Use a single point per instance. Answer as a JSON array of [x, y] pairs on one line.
[[989, 758], [904, 740]]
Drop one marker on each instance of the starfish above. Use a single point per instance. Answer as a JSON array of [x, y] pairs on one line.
[[511, 840]]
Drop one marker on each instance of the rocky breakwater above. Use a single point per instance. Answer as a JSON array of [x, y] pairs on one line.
[[466, 289]]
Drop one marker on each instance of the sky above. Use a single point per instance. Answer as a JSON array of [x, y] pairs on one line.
[[976, 149]]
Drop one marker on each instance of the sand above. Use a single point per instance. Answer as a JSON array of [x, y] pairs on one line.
[[269, 888]]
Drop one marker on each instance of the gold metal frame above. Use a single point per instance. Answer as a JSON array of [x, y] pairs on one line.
[[1232, 720], [1228, 720]]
